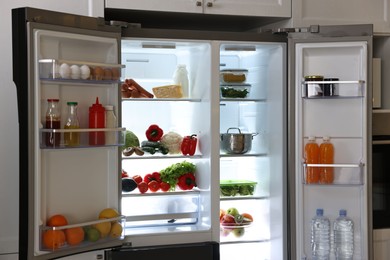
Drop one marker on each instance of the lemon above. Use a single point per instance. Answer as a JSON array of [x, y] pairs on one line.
[[108, 213], [116, 230], [104, 228]]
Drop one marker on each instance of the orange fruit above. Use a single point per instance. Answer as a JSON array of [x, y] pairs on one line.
[[57, 221], [74, 236], [247, 217], [53, 239]]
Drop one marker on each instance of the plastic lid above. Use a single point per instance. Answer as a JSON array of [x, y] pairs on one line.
[[326, 138], [343, 212], [108, 107], [97, 105], [181, 65], [71, 103], [320, 212], [53, 100], [311, 138]]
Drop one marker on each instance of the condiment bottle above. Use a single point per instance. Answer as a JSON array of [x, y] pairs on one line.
[[53, 121], [111, 122], [312, 157], [97, 120], [180, 77], [326, 157], [72, 122]]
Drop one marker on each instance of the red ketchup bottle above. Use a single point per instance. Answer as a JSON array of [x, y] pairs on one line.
[[97, 120]]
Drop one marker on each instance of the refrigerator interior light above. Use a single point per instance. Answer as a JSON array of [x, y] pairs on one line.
[[159, 45], [240, 48]]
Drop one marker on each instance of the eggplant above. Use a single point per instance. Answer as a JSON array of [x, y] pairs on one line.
[[128, 184]]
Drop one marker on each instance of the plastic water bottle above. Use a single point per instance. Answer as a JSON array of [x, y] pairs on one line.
[[343, 236], [320, 236]]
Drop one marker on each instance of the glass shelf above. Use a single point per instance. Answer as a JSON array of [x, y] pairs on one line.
[[162, 99]]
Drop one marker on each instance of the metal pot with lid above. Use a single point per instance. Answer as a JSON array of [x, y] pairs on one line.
[[236, 143]]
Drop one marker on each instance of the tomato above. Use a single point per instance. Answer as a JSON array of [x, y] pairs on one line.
[[137, 178], [164, 186], [124, 174], [155, 176], [154, 186], [143, 187]]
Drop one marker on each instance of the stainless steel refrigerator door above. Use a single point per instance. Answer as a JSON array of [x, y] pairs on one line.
[[344, 53], [75, 182]]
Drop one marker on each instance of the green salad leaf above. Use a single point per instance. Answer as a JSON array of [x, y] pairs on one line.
[[172, 173]]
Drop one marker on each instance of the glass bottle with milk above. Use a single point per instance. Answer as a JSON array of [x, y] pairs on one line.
[[180, 77], [111, 122]]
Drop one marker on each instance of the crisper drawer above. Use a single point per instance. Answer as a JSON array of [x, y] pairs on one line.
[[161, 209]]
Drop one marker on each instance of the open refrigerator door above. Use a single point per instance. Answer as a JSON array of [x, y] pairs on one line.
[[331, 87], [68, 175]]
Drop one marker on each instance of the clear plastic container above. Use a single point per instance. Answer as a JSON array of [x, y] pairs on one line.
[[233, 76], [72, 122], [235, 90]]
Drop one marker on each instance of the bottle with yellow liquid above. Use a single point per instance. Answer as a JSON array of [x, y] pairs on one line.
[[72, 122]]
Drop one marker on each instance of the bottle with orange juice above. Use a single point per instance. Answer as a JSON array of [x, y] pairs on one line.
[[312, 157], [326, 157]]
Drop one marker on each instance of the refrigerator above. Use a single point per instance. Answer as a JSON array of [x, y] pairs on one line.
[[275, 114]]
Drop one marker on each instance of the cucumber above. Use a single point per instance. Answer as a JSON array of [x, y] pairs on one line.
[[148, 149], [151, 144]]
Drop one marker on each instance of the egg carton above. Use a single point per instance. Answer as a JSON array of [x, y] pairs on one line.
[[52, 69]]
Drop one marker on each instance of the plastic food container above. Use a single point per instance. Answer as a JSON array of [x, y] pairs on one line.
[[233, 76], [235, 90], [231, 188]]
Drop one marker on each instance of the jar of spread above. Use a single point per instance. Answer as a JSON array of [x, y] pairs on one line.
[[313, 89]]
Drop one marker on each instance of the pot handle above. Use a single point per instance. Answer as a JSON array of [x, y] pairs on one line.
[[253, 135], [233, 128]]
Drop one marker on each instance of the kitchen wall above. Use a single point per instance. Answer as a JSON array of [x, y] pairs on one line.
[[9, 152]]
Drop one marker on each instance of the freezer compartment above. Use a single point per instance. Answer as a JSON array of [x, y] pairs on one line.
[[80, 71], [81, 138], [81, 234], [161, 208]]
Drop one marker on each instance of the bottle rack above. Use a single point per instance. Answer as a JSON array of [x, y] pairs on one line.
[[342, 89], [344, 174], [57, 136]]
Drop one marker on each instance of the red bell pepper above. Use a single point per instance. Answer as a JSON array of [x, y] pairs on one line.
[[188, 145], [154, 133], [187, 181]]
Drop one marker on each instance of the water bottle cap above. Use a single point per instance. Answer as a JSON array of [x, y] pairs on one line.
[[311, 138], [109, 107], [320, 212], [71, 103], [343, 212], [326, 138]]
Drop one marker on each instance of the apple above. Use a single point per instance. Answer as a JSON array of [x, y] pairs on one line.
[[225, 232], [232, 211], [228, 220], [222, 213], [238, 232]]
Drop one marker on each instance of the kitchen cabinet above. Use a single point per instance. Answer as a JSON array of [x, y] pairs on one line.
[[333, 12], [267, 8]]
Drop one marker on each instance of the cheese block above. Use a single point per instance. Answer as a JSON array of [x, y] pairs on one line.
[[168, 91]]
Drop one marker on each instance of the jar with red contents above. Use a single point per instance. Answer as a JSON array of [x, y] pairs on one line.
[[97, 120]]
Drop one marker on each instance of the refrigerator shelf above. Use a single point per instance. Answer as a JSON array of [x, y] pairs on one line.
[[344, 174], [169, 218], [242, 100], [226, 198], [161, 156], [93, 233], [161, 193], [243, 155], [85, 137], [79, 70], [340, 89], [88, 82], [163, 99]]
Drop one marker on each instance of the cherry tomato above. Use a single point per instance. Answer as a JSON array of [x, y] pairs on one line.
[[156, 176], [164, 186], [124, 174], [142, 187], [154, 186], [137, 178]]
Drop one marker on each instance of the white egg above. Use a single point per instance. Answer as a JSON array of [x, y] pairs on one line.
[[65, 71], [85, 72], [75, 72]]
